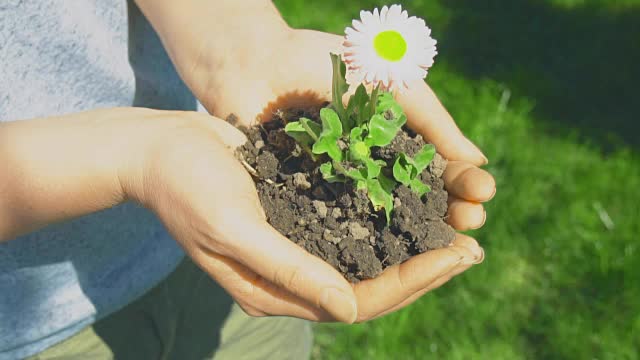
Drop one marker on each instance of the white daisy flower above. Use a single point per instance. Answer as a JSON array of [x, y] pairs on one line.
[[388, 48]]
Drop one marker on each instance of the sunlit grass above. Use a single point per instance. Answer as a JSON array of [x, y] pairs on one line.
[[560, 280]]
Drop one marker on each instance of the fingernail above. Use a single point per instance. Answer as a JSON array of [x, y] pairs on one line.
[[495, 190], [477, 252], [340, 305], [481, 224], [472, 256], [481, 257], [480, 153]]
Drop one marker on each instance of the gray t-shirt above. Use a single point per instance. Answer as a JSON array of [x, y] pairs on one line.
[[65, 56]]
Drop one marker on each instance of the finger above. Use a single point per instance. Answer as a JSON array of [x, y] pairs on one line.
[[434, 285], [255, 295], [265, 251], [256, 93], [399, 282], [462, 240], [224, 132], [428, 117], [468, 182], [230, 136], [464, 215]]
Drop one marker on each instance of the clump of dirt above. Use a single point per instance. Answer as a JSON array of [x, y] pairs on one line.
[[335, 221]]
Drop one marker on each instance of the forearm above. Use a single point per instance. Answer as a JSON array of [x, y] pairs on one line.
[[59, 168]]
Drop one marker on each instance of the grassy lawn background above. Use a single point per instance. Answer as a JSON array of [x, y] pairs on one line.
[[547, 89]]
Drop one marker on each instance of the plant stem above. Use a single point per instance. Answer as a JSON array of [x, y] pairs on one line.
[[308, 151], [309, 131], [339, 168]]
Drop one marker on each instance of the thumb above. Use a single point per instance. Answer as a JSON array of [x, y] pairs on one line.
[[429, 118]]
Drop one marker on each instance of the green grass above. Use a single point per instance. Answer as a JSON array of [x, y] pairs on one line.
[[546, 88]]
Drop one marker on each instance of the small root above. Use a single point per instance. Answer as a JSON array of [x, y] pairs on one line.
[[251, 170]]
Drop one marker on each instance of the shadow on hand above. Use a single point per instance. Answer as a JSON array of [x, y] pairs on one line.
[[299, 100]]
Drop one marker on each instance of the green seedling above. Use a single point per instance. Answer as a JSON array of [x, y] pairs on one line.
[[407, 170], [347, 135]]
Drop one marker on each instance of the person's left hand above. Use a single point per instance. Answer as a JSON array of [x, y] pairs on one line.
[[282, 69]]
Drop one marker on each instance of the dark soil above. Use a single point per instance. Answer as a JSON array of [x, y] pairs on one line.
[[336, 222]]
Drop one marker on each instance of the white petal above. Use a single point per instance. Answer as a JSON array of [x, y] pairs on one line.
[[394, 12], [376, 17], [357, 25], [383, 14], [366, 17], [365, 65]]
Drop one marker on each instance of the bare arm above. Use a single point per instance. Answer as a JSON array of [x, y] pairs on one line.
[[178, 176], [204, 34], [64, 167], [184, 25]]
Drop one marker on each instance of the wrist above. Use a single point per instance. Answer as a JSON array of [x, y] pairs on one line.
[[250, 28], [204, 33]]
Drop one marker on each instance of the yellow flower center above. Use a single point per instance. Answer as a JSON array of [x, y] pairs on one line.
[[390, 45]]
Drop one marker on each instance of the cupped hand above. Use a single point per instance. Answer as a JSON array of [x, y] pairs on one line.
[[191, 179], [294, 69]]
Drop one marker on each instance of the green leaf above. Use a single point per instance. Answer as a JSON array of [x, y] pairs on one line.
[[419, 187], [423, 158], [370, 109], [356, 174], [331, 132], [356, 134], [406, 172], [382, 131], [373, 168], [380, 198], [338, 88], [328, 174], [313, 128], [388, 107], [400, 171], [409, 165], [298, 132], [305, 131], [357, 105], [387, 184]]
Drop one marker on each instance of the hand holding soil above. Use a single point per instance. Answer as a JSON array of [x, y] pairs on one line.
[[266, 68], [337, 224], [208, 202]]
